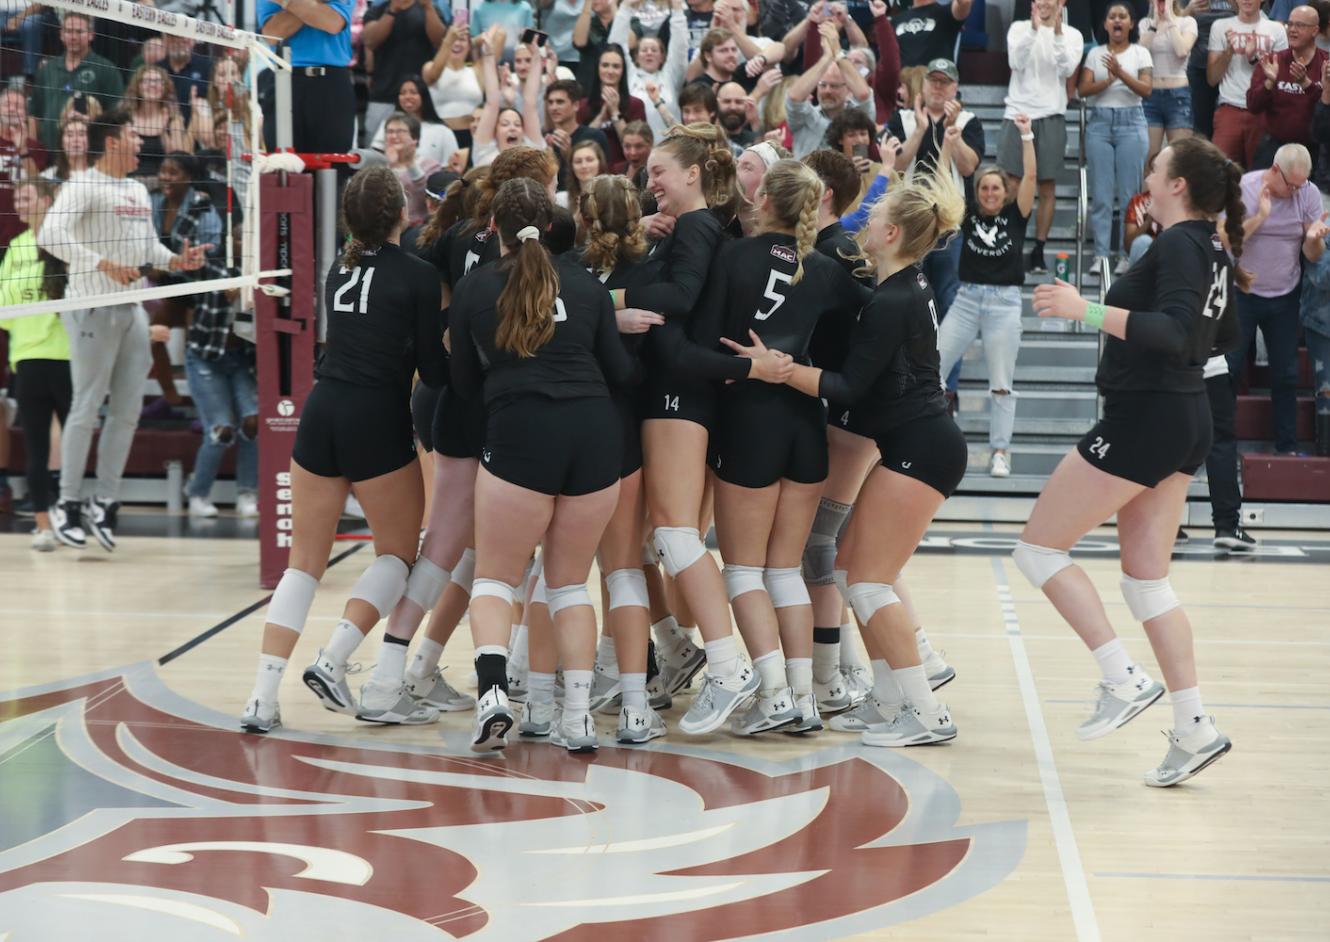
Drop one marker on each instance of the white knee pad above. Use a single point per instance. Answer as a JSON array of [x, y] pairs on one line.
[[786, 587], [464, 573], [291, 600], [382, 584], [867, 597], [1148, 598], [628, 587], [568, 596], [494, 589], [740, 580], [426, 583], [842, 580], [678, 547], [540, 592], [1039, 563]]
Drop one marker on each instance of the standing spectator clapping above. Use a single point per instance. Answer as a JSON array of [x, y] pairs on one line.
[[1284, 90], [1169, 35], [1235, 47], [657, 73], [402, 34], [838, 84]]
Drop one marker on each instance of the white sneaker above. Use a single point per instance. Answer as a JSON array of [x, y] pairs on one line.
[[767, 713], [605, 691], [1121, 268], [937, 670], [260, 716], [639, 726], [392, 706], [913, 727], [43, 541], [1000, 466], [517, 671], [658, 696], [575, 733], [718, 698], [679, 666], [1117, 704], [436, 692], [1189, 751], [870, 714], [328, 681], [100, 519], [859, 682], [247, 506], [809, 720], [202, 507], [537, 718], [833, 696], [493, 720], [67, 523]]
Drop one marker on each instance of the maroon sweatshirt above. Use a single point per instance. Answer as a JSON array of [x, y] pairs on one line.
[[1286, 110]]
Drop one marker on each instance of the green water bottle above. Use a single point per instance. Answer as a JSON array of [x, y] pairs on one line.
[[1062, 267]]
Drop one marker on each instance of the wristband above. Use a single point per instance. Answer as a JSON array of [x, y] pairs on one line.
[[1028, 137], [1094, 315]]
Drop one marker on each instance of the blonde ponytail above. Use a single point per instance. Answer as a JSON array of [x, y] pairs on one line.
[[794, 193], [927, 207]]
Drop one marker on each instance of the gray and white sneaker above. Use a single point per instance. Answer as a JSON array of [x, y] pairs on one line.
[[870, 714], [858, 681], [436, 692], [809, 720], [658, 695], [260, 716], [1117, 704], [67, 523], [517, 671], [574, 733], [605, 691], [328, 681], [537, 718], [767, 713], [392, 706], [833, 696], [679, 666], [718, 698], [913, 727], [1189, 752], [938, 671], [639, 726], [493, 720]]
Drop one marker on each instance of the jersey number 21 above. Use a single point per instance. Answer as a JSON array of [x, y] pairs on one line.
[[342, 304]]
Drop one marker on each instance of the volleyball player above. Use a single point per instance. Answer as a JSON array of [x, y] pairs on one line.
[[891, 383], [769, 449], [1163, 318], [540, 338], [383, 325]]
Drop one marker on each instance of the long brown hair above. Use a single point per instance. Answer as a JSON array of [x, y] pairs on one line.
[[574, 184], [526, 304], [372, 209], [612, 213], [55, 273], [515, 163], [1214, 186]]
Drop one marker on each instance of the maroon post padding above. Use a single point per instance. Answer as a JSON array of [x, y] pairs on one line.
[[285, 333]]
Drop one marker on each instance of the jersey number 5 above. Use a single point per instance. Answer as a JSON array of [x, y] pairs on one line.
[[773, 280], [340, 302], [1216, 302]]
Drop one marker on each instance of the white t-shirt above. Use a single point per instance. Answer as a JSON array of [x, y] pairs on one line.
[[457, 92], [1133, 59], [482, 155], [1229, 33], [437, 142], [1168, 64]]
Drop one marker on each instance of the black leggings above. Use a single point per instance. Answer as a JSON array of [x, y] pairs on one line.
[[44, 389]]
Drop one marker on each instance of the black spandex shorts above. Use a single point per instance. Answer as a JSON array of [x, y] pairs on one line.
[[629, 406], [354, 432], [674, 397], [1146, 436], [563, 447], [764, 433], [931, 450], [459, 426], [424, 402]]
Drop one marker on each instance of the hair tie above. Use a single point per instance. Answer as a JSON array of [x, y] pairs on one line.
[[528, 232]]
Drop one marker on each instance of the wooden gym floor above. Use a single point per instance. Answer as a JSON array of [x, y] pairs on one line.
[[132, 808]]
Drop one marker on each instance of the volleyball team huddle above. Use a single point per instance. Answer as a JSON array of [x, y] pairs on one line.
[[757, 366]]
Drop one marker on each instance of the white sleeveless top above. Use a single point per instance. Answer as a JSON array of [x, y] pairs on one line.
[[457, 92]]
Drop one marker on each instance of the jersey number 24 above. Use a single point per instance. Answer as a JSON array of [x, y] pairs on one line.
[[1216, 302]]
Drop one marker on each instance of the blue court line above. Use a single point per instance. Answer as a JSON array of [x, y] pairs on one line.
[[1237, 877], [1234, 706]]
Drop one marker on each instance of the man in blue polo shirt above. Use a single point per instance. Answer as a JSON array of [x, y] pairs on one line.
[[322, 97]]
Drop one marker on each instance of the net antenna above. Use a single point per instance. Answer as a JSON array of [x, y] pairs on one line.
[[227, 268]]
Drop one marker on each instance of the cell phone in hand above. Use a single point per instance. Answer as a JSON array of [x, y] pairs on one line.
[[534, 37], [461, 16], [860, 151]]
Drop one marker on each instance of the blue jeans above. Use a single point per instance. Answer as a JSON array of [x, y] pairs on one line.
[[942, 268], [1169, 108], [31, 32], [1116, 143], [226, 393], [992, 312], [1318, 349], [1277, 319], [1139, 246]]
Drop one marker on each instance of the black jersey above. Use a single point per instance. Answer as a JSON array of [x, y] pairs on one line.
[[461, 248], [1180, 296], [624, 275], [891, 375], [991, 246], [383, 322], [831, 338], [584, 353], [675, 272]]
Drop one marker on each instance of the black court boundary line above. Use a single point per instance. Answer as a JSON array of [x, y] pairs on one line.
[[244, 613]]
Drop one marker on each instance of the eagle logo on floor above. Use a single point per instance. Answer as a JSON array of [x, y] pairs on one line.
[[133, 810]]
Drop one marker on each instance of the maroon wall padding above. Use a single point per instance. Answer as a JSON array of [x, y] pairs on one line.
[[152, 449], [1284, 477], [1254, 421]]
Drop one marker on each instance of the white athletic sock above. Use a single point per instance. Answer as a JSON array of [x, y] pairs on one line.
[[722, 656], [391, 666], [669, 636], [605, 656], [826, 661], [269, 677], [1113, 661], [885, 688], [517, 644], [539, 688], [634, 687], [576, 692], [425, 660], [771, 672], [346, 637], [849, 651], [914, 684], [921, 640], [1187, 708], [799, 670]]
